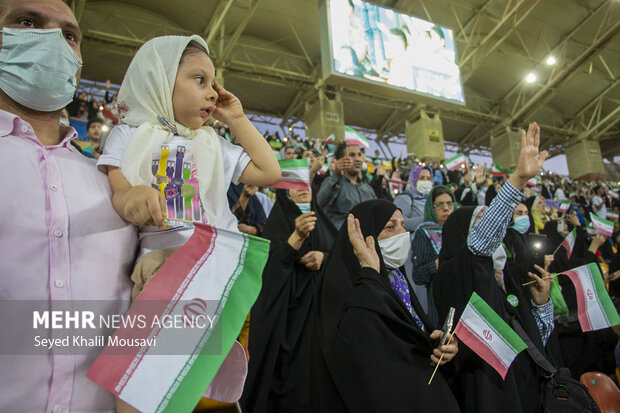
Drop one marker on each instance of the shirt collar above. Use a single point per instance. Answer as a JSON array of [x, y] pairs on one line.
[[11, 124]]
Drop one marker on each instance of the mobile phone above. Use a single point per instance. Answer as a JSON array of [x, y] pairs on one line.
[[537, 246], [447, 326]]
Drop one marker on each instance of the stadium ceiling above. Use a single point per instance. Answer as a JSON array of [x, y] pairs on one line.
[[268, 53]]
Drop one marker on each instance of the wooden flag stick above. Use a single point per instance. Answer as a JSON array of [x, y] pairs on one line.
[[439, 362], [179, 220], [543, 278], [556, 250]]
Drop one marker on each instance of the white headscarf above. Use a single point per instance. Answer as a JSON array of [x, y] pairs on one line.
[[145, 96]]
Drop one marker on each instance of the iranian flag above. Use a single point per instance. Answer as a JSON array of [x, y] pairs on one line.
[[330, 139], [564, 206], [612, 215], [482, 196], [594, 307], [487, 335], [591, 230], [295, 174], [533, 182], [497, 170], [352, 137], [323, 170], [603, 226], [165, 367], [613, 194], [455, 162], [569, 242]]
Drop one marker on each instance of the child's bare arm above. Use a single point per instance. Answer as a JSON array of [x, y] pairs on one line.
[[263, 169], [140, 204]]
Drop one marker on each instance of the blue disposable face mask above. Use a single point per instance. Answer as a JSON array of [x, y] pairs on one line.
[[303, 207], [522, 224], [38, 68]]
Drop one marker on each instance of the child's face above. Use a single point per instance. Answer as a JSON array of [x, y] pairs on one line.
[[94, 131], [193, 98]]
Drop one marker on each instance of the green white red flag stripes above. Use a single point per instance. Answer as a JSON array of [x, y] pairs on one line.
[[603, 226], [295, 174], [569, 242], [613, 194], [564, 206], [612, 215], [217, 272], [455, 162], [487, 335], [594, 307], [330, 139], [351, 137], [497, 170]]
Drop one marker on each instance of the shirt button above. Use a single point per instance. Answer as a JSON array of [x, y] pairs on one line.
[[53, 187], [57, 409], [24, 128], [58, 233], [59, 284]]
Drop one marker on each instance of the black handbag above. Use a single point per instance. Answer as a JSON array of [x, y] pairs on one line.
[[561, 393]]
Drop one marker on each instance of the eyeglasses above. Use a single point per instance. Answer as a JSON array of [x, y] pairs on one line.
[[442, 205]]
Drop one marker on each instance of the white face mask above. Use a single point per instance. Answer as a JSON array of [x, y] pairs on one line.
[[39, 68], [424, 187], [395, 250]]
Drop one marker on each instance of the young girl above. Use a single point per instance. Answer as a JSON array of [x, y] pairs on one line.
[[163, 163]]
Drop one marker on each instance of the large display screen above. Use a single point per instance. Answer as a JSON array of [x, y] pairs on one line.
[[377, 44]]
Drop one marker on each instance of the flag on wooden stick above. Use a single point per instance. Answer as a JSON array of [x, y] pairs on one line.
[[569, 242], [487, 335], [594, 307]]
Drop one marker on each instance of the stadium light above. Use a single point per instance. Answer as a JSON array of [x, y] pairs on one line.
[[531, 77], [550, 61]]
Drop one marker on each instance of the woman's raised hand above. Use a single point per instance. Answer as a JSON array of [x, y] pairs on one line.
[[530, 159], [364, 250]]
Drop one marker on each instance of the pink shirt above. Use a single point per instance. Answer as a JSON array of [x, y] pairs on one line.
[[60, 239]]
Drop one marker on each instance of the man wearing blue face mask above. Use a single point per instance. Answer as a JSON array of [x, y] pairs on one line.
[[51, 249]]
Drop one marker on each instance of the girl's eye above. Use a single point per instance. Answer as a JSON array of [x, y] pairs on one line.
[[200, 80]]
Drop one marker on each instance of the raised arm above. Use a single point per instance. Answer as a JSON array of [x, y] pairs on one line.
[[263, 169], [487, 235]]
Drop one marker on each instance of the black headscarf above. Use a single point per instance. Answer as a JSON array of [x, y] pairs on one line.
[[515, 275], [477, 386], [280, 320], [368, 353]]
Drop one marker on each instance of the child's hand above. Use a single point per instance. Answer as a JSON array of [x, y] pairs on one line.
[[228, 107], [145, 206]]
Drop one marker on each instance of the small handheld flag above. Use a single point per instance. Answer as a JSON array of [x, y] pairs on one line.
[[456, 161], [594, 307], [487, 335], [295, 174], [497, 170], [569, 242], [612, 215], [351, 137], [603, 226], [564, 206]]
